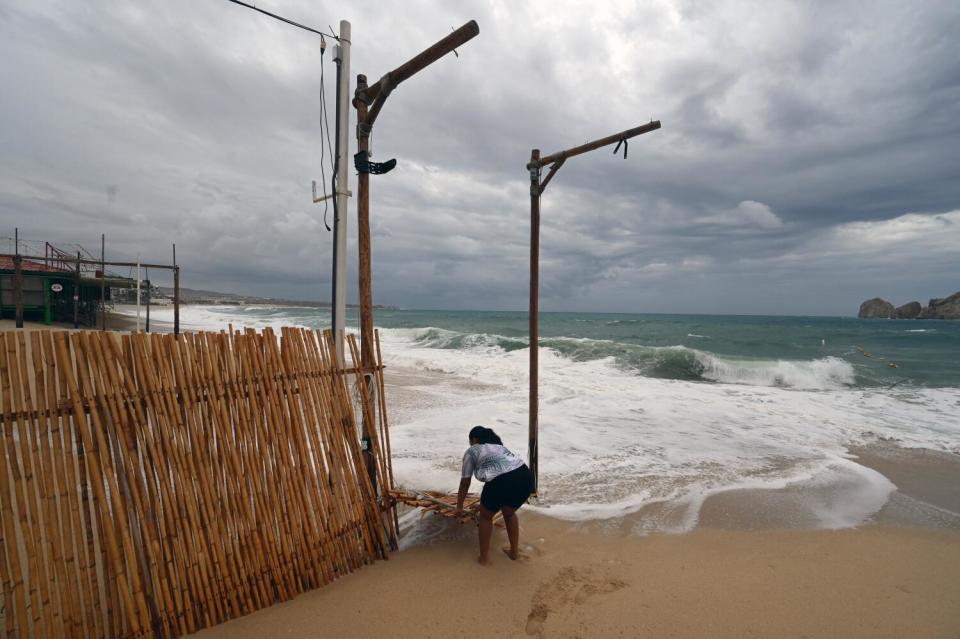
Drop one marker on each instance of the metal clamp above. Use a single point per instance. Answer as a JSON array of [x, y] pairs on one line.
[[317, 200]]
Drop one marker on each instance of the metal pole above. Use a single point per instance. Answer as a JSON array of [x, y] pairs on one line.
[[148, 301], [17, 280], [76, 294], [338, 296], [103, 282], [534, 314], [138, 295], [18, 289], [176, 293]]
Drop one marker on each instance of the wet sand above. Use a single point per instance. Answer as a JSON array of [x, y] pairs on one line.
[[927, 494]]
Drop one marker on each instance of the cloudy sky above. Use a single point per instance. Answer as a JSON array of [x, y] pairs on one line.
[[809, 156]]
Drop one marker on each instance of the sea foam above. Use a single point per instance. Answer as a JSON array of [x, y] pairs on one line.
[[615, 443]]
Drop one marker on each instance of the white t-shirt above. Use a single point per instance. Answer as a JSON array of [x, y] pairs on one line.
[[486, 461]]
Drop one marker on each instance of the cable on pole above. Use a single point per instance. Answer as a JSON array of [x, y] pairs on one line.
[[282, 19], [325, 131]]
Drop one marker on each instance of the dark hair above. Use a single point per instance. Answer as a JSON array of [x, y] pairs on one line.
[[485, 435]]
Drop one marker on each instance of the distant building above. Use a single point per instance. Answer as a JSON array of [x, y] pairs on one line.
[[49, 286]]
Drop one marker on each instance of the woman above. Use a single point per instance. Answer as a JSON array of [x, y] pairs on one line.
[[508, 485]]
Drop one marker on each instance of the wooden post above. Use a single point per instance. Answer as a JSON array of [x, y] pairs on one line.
[[103, 282], [176, 293], [369, 101], [554, 161], [365, 275], [76, 294], [18, 289], [534, 313], [363, 233]]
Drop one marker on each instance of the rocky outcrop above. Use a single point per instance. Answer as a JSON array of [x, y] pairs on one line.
[[943, 308], [938, 308], [877, 308], [910, 310]]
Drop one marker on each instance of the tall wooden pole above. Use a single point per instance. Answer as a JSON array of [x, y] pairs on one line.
[[103, 282], [536, 164], [176, 293], [534, 314], [367, 361], [363, 234], [369, 100]]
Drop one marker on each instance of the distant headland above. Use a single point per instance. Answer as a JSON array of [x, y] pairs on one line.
[[938, 308]]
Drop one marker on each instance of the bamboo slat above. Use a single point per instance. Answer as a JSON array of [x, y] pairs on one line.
[[153, 486]]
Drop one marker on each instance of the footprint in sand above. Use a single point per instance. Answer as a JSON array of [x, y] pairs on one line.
[[569, 586]]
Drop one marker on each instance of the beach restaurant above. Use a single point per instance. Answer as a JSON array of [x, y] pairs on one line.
[[48, 289]]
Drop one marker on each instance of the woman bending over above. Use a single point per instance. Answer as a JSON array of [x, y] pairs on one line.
[[508, 484]]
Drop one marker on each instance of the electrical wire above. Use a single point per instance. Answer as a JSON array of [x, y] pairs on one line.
[[334, 181], [324, 112], [323, 149], [326, 122], [282, 19], [325, 132]]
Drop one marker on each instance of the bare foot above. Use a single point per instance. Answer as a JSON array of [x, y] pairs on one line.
[[483, 561], [513, 554]]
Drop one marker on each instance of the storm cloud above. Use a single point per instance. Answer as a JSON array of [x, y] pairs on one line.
[[809, 155]]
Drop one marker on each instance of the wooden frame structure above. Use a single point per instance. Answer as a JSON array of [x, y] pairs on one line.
[[369, 101], [554, 161]]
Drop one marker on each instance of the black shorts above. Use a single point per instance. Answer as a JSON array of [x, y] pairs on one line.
[[509, 489]]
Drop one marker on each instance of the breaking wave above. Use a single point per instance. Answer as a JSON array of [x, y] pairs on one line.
[[664, 362]]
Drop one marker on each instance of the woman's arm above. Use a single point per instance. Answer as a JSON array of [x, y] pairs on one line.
[[462, 493]]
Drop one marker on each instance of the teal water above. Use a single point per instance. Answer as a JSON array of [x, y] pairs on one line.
[[923, 353]]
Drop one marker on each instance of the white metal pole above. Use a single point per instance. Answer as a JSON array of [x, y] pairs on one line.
[[339, 293], [138, 294]]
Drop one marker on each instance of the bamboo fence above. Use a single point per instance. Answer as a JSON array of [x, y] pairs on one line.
[[153, 485]]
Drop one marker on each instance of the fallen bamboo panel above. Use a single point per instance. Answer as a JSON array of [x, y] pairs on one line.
[[153, 485], [443, 504]]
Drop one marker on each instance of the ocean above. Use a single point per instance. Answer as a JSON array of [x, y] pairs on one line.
[[648, 415]]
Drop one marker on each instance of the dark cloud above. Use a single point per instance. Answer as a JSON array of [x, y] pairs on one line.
[[807, 160]]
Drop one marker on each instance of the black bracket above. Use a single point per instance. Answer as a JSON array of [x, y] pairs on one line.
[[363, 164], [624, 142]]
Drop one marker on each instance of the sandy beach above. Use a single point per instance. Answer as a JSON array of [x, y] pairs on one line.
[[580, 582]]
